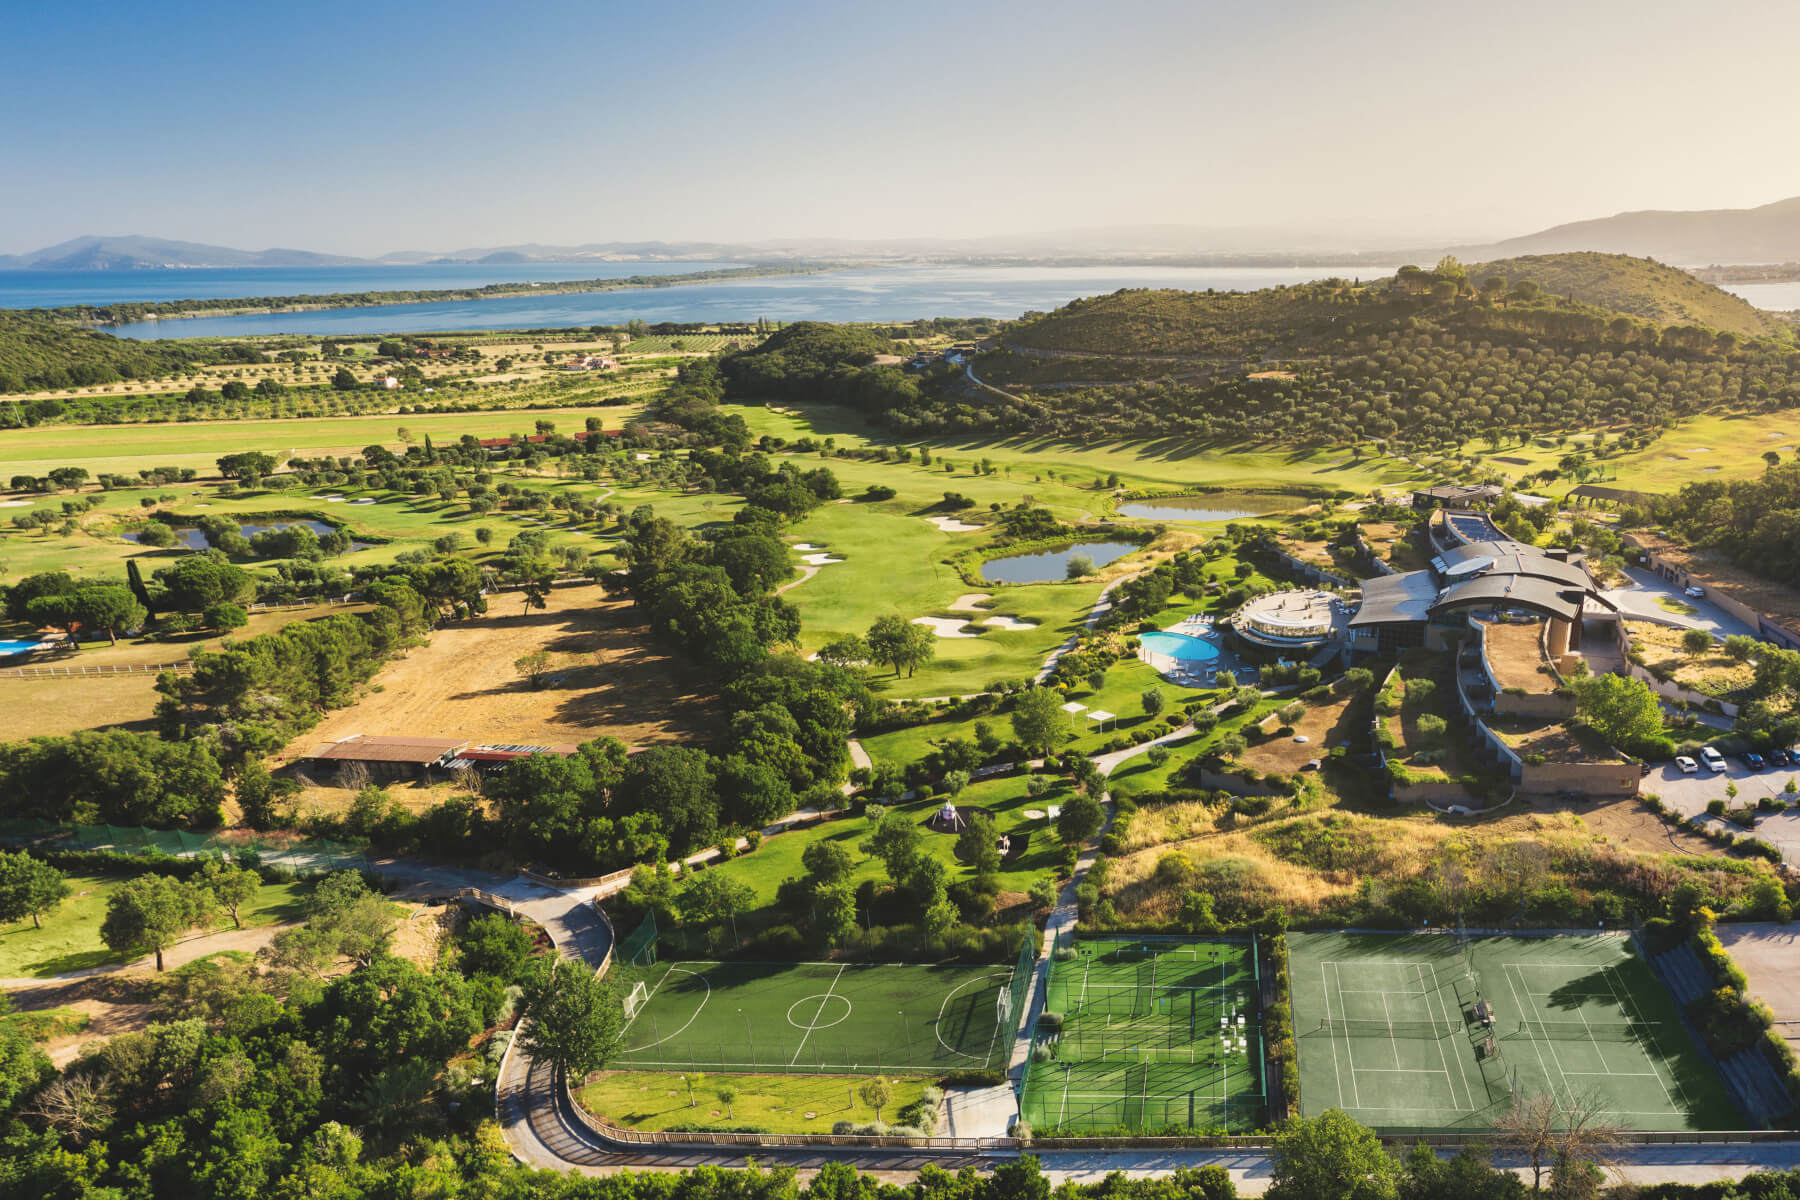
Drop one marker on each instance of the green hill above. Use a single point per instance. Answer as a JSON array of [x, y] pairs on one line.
[[1638, 287], [37, 351]]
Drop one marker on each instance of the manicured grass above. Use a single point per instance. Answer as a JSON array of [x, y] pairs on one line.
[[764, 869], [819, 1018], [1670, 604], [125, 448], [70, 938], [778, 1103]]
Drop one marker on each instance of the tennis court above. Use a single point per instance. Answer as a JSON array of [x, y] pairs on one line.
[[1148, 1034], [820, 1018], [1429, 1031]]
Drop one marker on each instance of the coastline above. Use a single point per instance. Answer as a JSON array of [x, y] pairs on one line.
[[149, 312]]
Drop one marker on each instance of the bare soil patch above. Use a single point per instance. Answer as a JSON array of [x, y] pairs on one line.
[[607, 679]]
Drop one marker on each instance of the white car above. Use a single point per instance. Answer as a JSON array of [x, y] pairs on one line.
[[1688, 766], [1695, 592], [1715, 762]]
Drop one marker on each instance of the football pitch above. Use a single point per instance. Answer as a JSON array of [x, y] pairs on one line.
[[819, 1018], [1148, 1034], [1429, 1032]]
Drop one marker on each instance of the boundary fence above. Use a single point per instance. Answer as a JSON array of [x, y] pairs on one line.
[[311, 855], [73, 671]]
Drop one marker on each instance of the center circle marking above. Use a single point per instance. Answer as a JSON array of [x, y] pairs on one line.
[[818, 1012]]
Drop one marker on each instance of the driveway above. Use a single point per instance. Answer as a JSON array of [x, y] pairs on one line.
[[1640, 600], [1688, 795]]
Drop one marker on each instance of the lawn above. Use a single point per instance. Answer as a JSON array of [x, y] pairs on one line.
[[819, 1018], [777, 1103], [70, 938], [763, 870]]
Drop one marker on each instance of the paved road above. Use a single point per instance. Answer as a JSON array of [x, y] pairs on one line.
[[1640, 599]]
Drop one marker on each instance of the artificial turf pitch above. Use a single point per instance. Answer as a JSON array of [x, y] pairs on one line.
[[1387, 1029], [1155, 1033], [819, 1018]]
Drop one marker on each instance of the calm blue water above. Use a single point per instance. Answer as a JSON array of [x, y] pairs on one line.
[[7, 648], [1181, 646], [1781, 297], [1234, 507], [1049, 565], [49, 289], [868, 294], [195, 539]]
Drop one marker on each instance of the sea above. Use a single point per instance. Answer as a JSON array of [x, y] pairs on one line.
[[885, 293]]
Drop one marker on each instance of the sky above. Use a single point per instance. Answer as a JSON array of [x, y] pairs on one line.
[[372, 127]]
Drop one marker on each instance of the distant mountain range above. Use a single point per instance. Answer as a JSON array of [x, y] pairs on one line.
[[1768, 234]]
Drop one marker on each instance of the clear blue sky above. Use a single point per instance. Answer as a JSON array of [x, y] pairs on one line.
[[376, 126]]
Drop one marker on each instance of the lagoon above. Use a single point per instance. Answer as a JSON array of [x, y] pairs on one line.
[[1046, 566], [899, 293]]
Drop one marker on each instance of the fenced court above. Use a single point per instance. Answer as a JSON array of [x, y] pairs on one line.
[[1433, 1031], [1148, 1034], [819, 1018]]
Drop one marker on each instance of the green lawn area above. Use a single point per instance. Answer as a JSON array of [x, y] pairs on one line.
[[779, 1103], [778, 858], [125, 448], [70, 938]]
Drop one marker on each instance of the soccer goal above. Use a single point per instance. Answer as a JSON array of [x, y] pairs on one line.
[[639, 994]]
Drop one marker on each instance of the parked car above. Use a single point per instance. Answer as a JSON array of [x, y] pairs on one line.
[[1715, 762], [1778, 757], [1695, 592], [1688, 766], [1754, 761]]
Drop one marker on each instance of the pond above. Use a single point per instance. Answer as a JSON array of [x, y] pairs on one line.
[[1233, 506], [195, 539], [1045, 566]]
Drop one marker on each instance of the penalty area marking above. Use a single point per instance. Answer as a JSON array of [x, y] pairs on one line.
[[669, 1037]]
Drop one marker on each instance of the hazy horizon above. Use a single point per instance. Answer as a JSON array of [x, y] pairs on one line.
[[365, 131]]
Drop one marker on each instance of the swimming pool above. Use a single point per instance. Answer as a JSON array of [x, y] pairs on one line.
[[7, 648], [1181, 646]]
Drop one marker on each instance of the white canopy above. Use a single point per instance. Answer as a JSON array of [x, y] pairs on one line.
[[1100, 714], [1074, 707]]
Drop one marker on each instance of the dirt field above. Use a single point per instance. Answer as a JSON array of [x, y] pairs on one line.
[[606, 679], [51, 707], [1323, 726], [1514, 652]]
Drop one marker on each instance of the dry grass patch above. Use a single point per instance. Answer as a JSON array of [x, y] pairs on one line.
[[1715, 673], [1323, 725], [607, 679], [1517, 657]]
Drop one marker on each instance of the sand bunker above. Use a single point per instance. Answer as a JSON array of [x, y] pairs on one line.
[[952, 525], [945, 627], [1009, 623], [969, 602], [820, 560], [15, 504], [806, 546]]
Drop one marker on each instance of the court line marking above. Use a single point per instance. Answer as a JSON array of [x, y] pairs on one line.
[[684, 1025], [809, 1030], [1535, 1047], [1438, 1006], [1606, 974], [1623, 1000], [1350, 1054]]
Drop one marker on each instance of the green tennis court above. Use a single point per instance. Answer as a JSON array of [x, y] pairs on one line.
[[820, 1018], [1148, 1034], [1429, 1031]]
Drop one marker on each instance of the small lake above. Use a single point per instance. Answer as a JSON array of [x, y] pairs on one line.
[[1235, 506], [1046, 566], [195, 539]]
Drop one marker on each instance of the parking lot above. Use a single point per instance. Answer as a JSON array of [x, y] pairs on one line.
[[1689, 794]]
